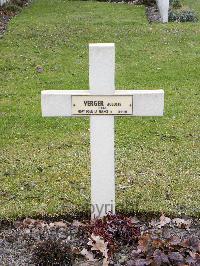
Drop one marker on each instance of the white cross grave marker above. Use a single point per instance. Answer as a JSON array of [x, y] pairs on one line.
[[102, 103]]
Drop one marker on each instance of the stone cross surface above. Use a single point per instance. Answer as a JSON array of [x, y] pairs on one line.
[[102, 102], [163, 6]]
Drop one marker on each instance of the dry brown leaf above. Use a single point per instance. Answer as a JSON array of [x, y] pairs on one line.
[[192, 243], [51, 225], [88, 255], [97, 243], [174, 240], [160, 258], [164, 220], [193, 254], [60, 224], [75, 250], [105, 262], [181, 223], [77, 223], [30, 223], [175, 258], [134, 220], [142, 262], [157, 243], [144, 243], [154, 223]]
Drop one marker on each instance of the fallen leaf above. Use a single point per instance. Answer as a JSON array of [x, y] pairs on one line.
[[105, 262], [190, 260], [139, 262], [135, 253], [181, 223], [175, 258], [131, 263], [157, 243], [144, 243], [30, 223], [97, 243], [51, 225], [153, 223], [164, 220], [142, 262], [60, 224], [88, 255], [174, 241], [194, 255], [193, 259], [192, 243], [77, 223], [160, 258], [134, 220], [75, 250]]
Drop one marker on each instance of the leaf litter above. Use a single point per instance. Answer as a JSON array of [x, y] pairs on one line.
[[111, 240]]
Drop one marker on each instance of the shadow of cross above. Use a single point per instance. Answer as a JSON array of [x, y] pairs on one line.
[[102, 103]]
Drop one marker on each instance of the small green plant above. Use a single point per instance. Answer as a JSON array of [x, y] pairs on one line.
[[18, 2], [175, 4], [52, 252], [12, 8], [149, 2], [183, 16]]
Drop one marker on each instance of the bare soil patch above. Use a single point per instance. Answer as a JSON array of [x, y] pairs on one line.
[[113, 240]]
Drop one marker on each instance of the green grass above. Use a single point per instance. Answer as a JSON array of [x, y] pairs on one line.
[[45, 166]]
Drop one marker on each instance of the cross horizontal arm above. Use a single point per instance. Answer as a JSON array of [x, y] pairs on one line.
[[145, 102]]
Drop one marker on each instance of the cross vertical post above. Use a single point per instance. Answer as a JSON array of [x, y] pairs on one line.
[[163, 6], [102, 82]]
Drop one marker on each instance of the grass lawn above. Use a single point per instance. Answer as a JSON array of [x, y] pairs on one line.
[[45, 164]]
